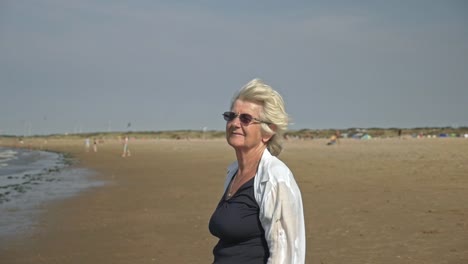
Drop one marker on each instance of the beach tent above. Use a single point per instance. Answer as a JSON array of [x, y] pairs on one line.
[[366, 136]]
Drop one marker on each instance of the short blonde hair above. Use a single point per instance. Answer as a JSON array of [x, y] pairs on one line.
[[273, 111]]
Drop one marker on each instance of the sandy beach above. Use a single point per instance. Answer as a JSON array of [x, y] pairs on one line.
[[375, 201]]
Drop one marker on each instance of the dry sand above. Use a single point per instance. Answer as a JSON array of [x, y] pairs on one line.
[[376, 201]]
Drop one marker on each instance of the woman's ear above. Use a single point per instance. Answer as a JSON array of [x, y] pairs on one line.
[[267, 137]]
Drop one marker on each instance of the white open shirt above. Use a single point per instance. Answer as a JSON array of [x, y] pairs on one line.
[[281, 210]]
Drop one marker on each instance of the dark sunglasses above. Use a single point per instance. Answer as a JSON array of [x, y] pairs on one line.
[[245, 119]]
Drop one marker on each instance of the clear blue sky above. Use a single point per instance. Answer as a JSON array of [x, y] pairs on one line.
[[84, 66]]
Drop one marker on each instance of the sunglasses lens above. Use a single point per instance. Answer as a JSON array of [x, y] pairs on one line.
[[245, 118], [229, 116]]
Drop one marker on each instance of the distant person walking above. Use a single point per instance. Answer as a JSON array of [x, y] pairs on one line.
[[87, 144], [126, 150], [95, 143]]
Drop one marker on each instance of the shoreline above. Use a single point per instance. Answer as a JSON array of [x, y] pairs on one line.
[[96, 216], [36, 179], [378, 201]]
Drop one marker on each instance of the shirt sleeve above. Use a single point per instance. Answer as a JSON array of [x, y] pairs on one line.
[[283, 221]]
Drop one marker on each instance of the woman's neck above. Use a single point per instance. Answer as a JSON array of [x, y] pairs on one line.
[[248, 160]]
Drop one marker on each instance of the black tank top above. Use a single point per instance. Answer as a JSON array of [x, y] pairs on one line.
[[236, 223]]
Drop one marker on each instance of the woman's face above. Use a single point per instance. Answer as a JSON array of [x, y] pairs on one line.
[[241, 136]]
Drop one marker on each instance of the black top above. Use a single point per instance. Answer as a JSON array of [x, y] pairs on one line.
[[236, 223]]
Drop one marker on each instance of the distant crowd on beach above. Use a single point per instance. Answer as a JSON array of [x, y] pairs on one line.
[[333, 137], [124, 140]]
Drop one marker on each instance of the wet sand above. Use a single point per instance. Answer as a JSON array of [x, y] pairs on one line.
[[376, 201]]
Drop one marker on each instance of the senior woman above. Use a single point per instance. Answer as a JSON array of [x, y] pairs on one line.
[[259, 218]]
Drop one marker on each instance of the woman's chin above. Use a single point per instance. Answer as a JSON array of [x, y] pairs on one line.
[[235, 143]]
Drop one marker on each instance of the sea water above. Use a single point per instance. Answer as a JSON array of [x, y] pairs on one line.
[[30, 178]]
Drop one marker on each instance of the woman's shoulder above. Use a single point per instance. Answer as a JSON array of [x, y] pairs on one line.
[[274, 169]]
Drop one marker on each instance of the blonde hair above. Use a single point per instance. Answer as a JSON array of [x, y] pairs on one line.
[[273, 111]]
